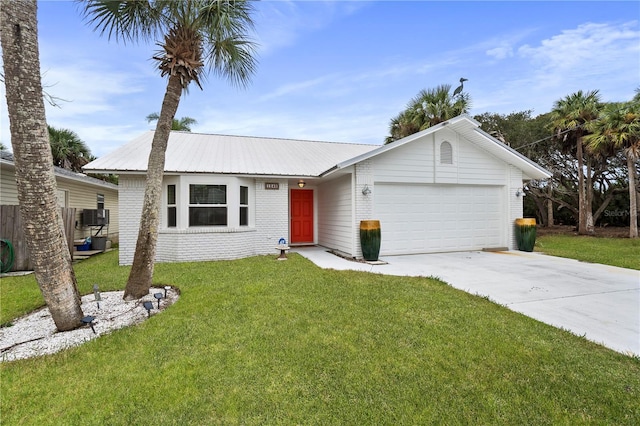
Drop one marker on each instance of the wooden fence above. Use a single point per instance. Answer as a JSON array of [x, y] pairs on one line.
[[11, 229]]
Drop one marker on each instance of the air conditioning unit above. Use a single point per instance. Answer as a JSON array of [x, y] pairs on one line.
[[96, 217]]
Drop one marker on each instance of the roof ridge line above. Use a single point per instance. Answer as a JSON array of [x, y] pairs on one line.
[[271, 138]]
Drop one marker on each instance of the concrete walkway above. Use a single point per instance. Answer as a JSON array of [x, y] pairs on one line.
[[599, 302]]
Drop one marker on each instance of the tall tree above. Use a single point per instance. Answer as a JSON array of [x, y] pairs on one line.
[[69, 151], [195, 33], [184, 124], [41, 216], [531, 137], [428, 108], [619, 128], [569, 118]]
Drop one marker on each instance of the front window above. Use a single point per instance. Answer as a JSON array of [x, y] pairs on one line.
[[100, 202], [171, 206], [207, 205], [244, 206]]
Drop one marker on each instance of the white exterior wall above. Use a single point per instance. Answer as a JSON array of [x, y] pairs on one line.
[[471, 165], [477, 167], [515, 204], [341, 207], [363, 203], [272, 215], [202, 244], [413, 162], [268, 222], [335, 213], [419, 162]]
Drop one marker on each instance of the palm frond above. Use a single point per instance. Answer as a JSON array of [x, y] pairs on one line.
[[129, 21]]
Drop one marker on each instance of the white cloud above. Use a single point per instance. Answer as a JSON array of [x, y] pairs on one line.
[[585, 46], [601, 56], [501, 52]]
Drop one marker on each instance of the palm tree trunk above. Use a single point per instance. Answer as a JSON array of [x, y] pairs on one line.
[[141, 275], [591, 229], [633, 206], [582, 194], [550, 220], [37, 189]]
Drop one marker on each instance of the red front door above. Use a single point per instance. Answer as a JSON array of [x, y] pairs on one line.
[[301, 216]]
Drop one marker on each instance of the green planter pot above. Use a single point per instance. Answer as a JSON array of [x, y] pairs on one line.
[[370, 239], [525, 234]]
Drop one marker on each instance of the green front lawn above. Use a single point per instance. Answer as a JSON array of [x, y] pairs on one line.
[[622, 252], [259, 341]]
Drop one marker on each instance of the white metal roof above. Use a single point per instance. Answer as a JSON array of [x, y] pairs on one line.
[[203, 153], [247, 155]]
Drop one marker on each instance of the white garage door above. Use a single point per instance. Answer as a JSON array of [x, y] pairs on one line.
[[439, 218]]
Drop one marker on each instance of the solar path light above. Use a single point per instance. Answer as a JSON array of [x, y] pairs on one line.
[[96, 293], [148, 306], [166, 288], [89, 320], [158, 296]]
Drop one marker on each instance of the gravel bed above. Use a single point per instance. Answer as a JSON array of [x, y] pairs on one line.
[[35, 334]]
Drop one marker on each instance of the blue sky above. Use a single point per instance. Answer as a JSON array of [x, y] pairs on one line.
[[340, 70]]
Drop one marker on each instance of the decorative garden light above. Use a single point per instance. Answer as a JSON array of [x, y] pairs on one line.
[[158, 296], [96, 293], [89, 320], [148, 306]]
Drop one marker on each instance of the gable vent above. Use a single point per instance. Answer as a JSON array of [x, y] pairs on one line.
[[446, 153]]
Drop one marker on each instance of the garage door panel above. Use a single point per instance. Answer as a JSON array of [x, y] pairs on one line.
[[432, 218]]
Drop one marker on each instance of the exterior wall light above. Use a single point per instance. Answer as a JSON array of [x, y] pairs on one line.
[[519, 192], [301, 183], [366, 190]]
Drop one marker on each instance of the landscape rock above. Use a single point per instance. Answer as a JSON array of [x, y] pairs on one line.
[[35, 334]]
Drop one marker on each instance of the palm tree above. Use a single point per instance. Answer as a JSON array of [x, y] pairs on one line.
[[42, 220], [619, 128], [569, 118], [69, 151], [184, 124], [195, 33], [426, 109], [401, 126]]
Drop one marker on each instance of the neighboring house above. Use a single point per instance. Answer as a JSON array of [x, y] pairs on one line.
[[75, 190], [451, 187]]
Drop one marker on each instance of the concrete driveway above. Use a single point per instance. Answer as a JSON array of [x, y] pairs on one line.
[[599, 302]]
